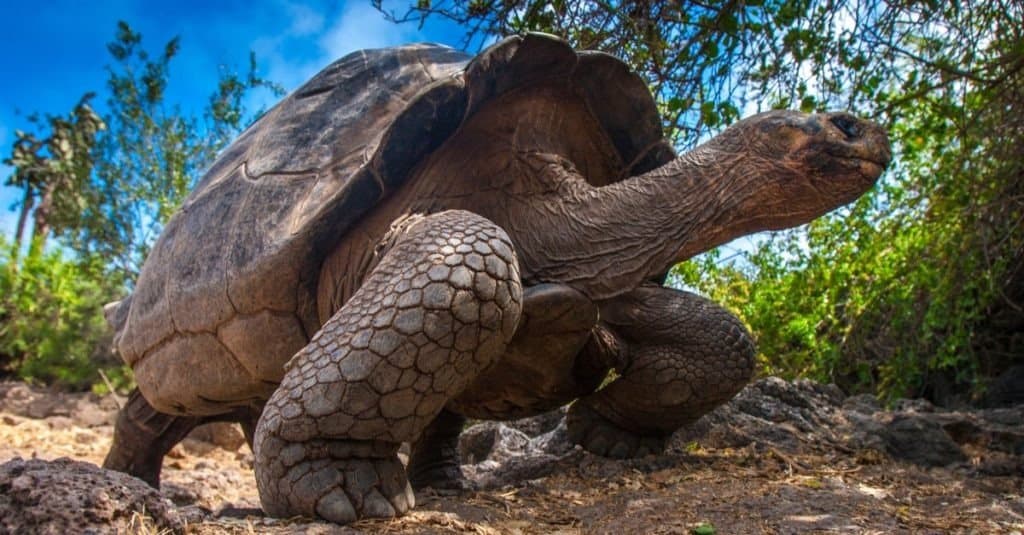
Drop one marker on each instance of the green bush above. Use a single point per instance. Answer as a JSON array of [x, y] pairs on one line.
[[51, 320]]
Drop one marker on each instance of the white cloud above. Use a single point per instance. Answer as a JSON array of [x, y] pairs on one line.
[[361, 26], [305, 20], [357, 26]]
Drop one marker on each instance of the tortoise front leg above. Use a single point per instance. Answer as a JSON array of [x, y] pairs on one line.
[[680, 356], [537, 373], [440, 307]]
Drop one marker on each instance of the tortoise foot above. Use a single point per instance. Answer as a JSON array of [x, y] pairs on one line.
[[339, 490], [600, 436], [441, 478]]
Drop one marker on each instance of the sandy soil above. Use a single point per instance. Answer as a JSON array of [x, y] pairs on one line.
[[752, 489]]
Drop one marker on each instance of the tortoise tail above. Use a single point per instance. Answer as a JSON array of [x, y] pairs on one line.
[[116, 314]]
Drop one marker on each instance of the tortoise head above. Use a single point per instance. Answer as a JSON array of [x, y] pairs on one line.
[[801, 166]]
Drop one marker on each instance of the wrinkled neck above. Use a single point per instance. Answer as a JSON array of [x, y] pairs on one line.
[[614, 238], [708, 193]]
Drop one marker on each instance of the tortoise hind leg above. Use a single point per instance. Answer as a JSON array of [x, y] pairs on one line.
[[434, 458], [439, 307], [680, 356], [143, 436]]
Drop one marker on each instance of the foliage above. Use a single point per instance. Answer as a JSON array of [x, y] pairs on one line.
[[918, 288], [154, 152], [53, 171], [51, 322]]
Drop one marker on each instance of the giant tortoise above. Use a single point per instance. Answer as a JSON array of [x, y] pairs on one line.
[[415, 237]]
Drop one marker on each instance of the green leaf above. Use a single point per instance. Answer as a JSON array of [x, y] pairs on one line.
[[710, 49], [708, 114], [704, 528]]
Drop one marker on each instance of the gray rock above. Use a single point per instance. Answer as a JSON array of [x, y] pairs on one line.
[[794, 417], [67, 496], [59, 423], [1006, 390], [801, 415], [535, 426], [770, 411], [491, 441], [1006, 416], [995, 429], [554, 442], [920, 440], [89, 412], [862, 403], [803, 404], [913, 405], [863, 432], [83, 408], [225, 435]]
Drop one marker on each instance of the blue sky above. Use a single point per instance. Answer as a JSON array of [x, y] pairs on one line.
[[51, 52]]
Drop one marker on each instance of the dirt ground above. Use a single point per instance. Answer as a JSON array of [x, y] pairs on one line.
[[756, 488]]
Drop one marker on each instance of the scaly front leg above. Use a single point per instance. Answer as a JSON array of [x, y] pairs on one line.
[[537, 373], [679, 356], [438, 309]]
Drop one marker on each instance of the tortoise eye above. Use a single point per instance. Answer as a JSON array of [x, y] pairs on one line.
[[847, 125]]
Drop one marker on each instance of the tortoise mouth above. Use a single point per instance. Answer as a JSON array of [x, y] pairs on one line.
[[862, 168], [861, 173], [880, 157], [871, 170]]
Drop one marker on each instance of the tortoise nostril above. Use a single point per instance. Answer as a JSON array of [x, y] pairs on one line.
[[847, 124]]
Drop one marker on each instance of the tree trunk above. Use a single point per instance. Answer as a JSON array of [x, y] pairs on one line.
[[26, 207], [41, 224]]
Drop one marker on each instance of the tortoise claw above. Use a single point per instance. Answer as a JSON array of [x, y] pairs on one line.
[[337, 481], [342, 490], [336, 507]]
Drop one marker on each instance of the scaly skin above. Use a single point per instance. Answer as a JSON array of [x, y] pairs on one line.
[[540, 369], [438, 309], [680, 356]]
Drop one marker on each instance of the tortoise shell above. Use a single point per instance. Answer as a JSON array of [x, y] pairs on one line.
[[228, 292]]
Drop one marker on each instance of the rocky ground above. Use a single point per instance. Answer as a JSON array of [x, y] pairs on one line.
[[780, 458]]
